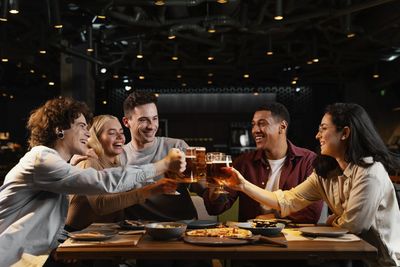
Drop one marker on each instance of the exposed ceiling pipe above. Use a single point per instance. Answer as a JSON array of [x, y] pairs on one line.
[[167, 3], [330, 13]]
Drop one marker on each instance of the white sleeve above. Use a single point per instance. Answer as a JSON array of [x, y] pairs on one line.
[[52, 173]]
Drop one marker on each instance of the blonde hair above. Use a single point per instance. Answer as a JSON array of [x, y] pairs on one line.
[[95, 130]]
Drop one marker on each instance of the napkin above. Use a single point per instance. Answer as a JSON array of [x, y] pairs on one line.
[[294, 235], [116, 241]]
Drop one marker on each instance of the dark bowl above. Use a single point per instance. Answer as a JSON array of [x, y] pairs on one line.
[[267, 231], [165, 230]]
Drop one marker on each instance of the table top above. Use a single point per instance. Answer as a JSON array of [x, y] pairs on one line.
[[147, 248]]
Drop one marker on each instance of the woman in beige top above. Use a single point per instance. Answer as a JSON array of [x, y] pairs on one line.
[[107, 139], [351, 176]]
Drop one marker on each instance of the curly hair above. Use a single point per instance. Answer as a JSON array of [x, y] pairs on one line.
[[95, 131], [55, 113], [137, 99]]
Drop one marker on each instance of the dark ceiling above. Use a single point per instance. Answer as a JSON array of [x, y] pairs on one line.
[[244, 31]]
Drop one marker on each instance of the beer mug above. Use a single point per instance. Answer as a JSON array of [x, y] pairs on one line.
[[189, 175]]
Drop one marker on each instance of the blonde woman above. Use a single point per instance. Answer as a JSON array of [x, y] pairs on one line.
[[107, 140]]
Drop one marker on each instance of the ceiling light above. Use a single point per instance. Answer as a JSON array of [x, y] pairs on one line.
[[175, 54], [159, 2], [270, 52], [115, 76], [178, 76], [222, 1], [4, 10], [42, 51], [350, 35], [44, 76], [294, 82], [210, 58], [298, 89], [140, 50], [14, 9], [309, 62], [4, 59], [141, 77], [51, 83], [54, 14], [278, 12], [209, 82], [104, 102], [315, 60], [246, 75], [32, 71], [184, 84], [171, 34], [156, 95], [210, 74], [128, 87], [211, 29], [103, 70], [125, 80], [375, 73], [391, 57]]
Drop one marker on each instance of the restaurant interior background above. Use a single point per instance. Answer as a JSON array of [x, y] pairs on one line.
[[212, 63]]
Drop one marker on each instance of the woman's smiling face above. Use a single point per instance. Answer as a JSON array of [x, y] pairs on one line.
[[112, 138], [330, 138]]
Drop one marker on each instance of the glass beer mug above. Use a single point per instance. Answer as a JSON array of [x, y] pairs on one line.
[[217, 177], [189, 175]]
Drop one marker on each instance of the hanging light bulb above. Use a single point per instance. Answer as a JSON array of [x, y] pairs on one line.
[[175, 54], [4, 10], [278, 12], [14, 7], [270, 52], [90, 39], [140, 50]]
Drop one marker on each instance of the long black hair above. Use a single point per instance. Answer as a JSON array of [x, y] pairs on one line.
[[364, 140]]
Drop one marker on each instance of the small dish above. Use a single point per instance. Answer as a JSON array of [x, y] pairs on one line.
[[266, 231], [323, 231], [165, 230], [93, 235]]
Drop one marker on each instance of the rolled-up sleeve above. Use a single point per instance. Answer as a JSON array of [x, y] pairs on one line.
[[298, 197]]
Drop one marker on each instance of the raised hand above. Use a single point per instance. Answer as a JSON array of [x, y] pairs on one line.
[[175, 160]]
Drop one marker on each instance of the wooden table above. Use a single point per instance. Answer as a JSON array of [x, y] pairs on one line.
[[313, 251]]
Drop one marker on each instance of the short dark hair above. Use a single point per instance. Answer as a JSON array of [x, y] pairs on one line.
[[138, 98], [278, 111], [55, 113], [364, 140]]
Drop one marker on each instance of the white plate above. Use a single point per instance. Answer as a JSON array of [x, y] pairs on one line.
[[323, 231], [93, 235]]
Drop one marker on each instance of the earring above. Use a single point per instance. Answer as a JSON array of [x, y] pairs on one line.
[[60, 134]]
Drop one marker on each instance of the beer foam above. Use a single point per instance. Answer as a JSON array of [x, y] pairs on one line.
[[221, 162]]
